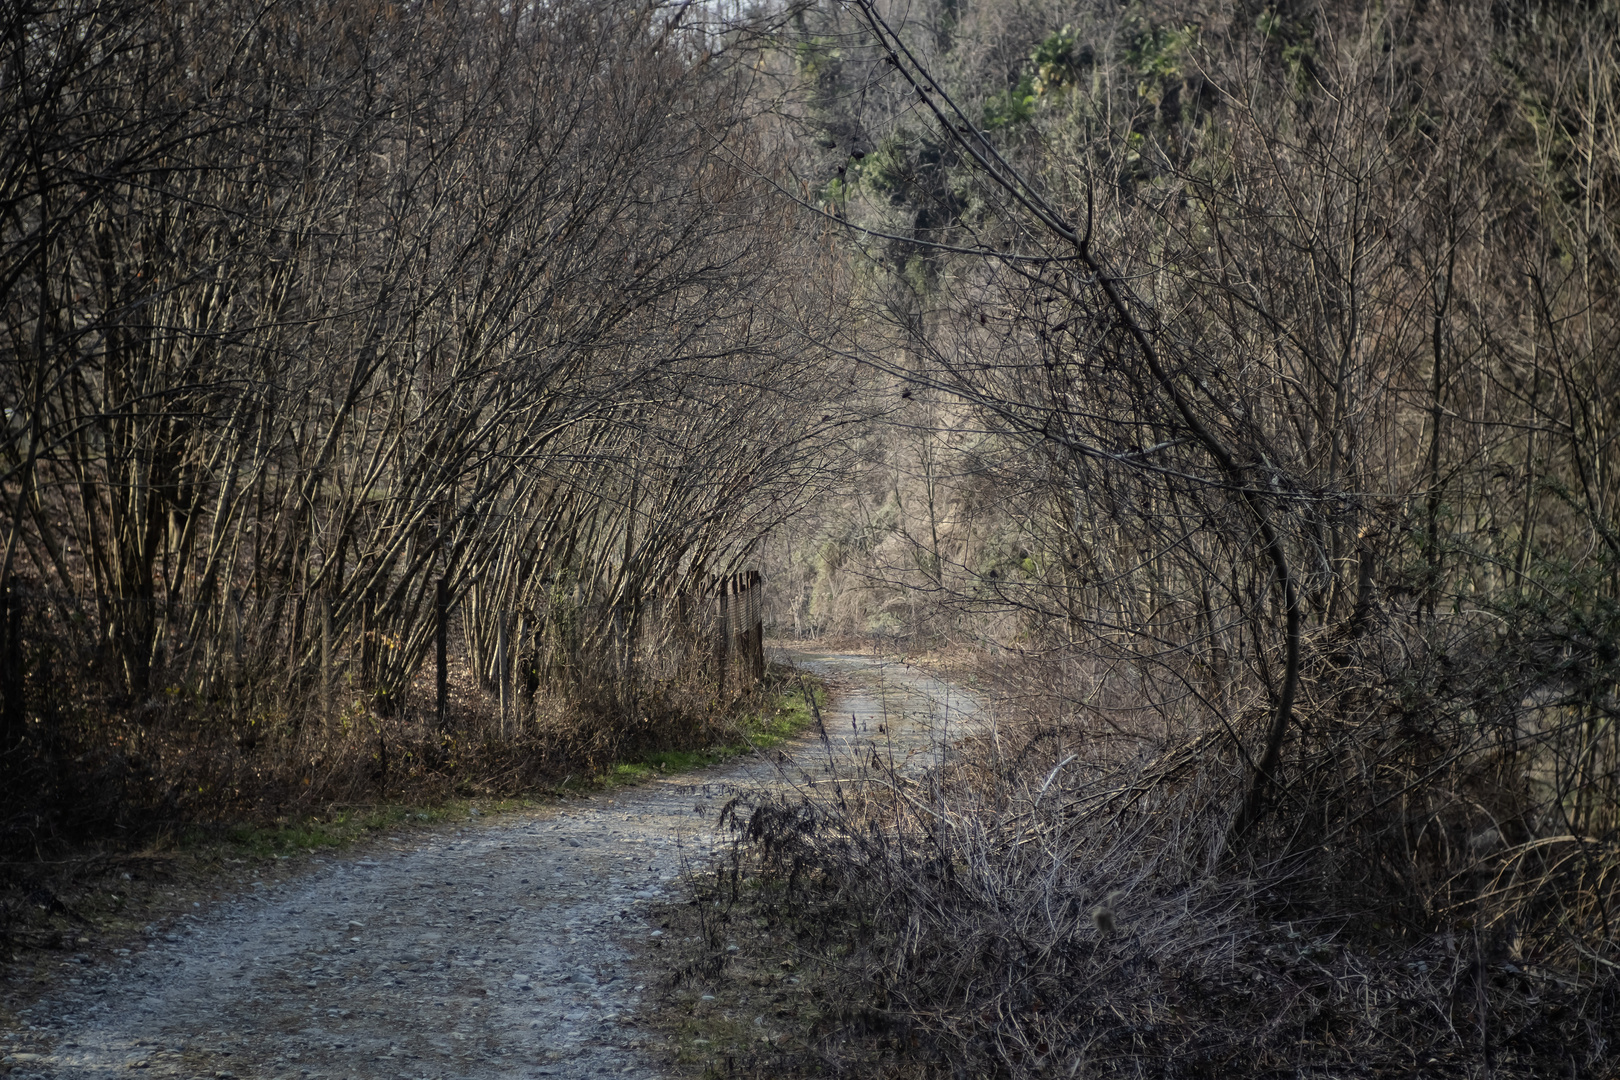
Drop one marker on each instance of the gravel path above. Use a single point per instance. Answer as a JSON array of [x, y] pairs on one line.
[[516, 947]]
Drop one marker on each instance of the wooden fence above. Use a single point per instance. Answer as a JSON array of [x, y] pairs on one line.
[[740, 626]]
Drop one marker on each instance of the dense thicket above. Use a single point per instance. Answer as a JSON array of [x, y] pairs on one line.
[[1248, 398], [309, 308], [1252, 370]]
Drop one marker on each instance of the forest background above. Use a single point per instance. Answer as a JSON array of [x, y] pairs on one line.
[[1228, 387]]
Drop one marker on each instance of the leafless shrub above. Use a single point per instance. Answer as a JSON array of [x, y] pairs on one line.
[[1309, 552], [1016, 916], [317, 319]]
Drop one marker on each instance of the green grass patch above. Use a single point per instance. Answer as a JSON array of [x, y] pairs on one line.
[[779, 719]]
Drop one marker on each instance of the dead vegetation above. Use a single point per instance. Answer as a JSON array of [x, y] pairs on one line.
[[1247, 395], [423, 340], [1044, 908], [1252, 396]]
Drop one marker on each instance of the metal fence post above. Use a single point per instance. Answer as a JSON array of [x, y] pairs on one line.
[[743, 630], [756, 624]]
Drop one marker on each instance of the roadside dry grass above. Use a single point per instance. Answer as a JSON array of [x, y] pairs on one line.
[[837, 983], [1023, 914]]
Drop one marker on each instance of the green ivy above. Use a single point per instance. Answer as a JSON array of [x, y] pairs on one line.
[[1054, 63], [1158, 55], [1010, 107], [1053, 67]]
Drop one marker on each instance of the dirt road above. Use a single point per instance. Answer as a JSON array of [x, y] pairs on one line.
[[517, 946]]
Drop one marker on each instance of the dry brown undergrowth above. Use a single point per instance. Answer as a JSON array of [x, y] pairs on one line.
[[1081, 921]]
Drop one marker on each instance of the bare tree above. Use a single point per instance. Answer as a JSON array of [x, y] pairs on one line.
[[308, 312]]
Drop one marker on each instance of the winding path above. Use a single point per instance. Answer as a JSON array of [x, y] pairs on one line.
[[513, 947]]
